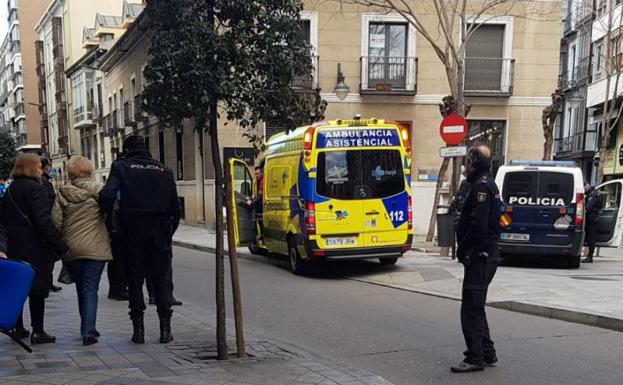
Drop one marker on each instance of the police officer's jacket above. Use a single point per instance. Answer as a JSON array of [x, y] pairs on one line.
[[478, 228], [593, 206], [147, 189]]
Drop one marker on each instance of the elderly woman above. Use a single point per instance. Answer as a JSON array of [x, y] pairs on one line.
[[76, 214], [31, 237]]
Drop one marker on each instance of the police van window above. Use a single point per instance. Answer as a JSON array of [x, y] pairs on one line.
[[556, 185], [519, 185], [338, 174], [382, 172]]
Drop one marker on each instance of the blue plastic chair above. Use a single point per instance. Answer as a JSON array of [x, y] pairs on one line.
[[15, 281]]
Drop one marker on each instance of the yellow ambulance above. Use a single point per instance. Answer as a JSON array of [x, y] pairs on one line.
[[332, 191]]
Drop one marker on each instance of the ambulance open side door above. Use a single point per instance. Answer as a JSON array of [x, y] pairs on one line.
[[241, 192], [610, 226]]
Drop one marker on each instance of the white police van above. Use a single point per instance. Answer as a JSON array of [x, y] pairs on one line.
[[542, 211]]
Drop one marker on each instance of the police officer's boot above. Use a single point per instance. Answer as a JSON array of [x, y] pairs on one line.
[[139, 329], [165, 329]]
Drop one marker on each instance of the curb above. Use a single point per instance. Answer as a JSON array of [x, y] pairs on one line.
[[602, 322], [577, 317]]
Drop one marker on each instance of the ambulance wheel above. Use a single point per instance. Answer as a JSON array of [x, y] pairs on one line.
[[574, 262], [297, 265], [388, 261]]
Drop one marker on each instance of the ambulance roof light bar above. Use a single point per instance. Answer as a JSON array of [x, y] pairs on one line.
[[543, 163]]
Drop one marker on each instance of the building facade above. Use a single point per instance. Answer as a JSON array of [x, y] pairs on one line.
[[60, 31], [607, 84], [574, 139], [18, 82]]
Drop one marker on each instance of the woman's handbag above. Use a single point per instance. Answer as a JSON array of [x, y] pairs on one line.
[[64, 276]]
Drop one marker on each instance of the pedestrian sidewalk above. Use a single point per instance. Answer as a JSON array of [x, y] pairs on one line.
[[188, 360], [590, 295]]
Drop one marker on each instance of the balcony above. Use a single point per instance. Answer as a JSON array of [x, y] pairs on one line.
[[63, 144], [384, 75], [128, 115], [139, 114], [308, 82], [97, 114], [83, 117], [569, 144], [489, 76], [20, 109]]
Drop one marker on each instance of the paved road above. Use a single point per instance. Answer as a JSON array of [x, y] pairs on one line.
[[405, 337]]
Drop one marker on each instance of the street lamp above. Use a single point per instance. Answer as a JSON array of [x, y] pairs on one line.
[[341, 89]]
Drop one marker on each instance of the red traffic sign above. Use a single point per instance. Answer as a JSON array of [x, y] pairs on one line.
[[453, 129]]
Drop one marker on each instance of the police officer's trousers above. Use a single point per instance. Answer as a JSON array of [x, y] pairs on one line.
[[147, 244], [116, 267], [478, 276]]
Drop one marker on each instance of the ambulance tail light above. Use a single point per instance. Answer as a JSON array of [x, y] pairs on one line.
[[409, 213], [579, 209], [310, 218]]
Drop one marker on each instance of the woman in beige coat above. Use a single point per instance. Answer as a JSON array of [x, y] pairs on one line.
[[76, 214]]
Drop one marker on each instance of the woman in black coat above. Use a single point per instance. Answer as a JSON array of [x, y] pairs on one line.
[[31, 237]]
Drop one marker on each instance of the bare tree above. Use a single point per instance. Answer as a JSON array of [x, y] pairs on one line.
[[548, 120], [456, 23]]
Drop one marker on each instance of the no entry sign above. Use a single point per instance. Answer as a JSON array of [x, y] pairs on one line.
[[453, 129]]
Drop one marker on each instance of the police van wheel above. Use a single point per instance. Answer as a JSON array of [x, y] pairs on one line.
[[388, 261], [574, 262], [296, 264]]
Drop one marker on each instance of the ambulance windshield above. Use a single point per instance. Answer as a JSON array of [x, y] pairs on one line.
[[359, 174]]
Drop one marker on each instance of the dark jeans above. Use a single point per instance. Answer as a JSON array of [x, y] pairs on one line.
[[476, 280], [87, 274], [118, 284], [147, 252], [37, 309], [591, 237]]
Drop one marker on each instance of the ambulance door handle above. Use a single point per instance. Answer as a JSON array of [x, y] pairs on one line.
[[373, 212]]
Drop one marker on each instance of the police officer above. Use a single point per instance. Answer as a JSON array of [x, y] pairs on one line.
[[593, 207], [149, 213], [478, 233]]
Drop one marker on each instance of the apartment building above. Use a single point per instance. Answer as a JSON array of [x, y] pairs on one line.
[[512, 67], [574, 139], [60, 30], [607, 68], [18, 82]]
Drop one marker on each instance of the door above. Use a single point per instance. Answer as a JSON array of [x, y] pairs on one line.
[[387, 47], [483, 58], [242, 190], [385, 205], [339, 211], [517, 188], [610, 226]]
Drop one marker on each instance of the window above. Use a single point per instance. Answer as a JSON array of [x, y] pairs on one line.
[[610, 196], [491, 133], [598, 60], [355, 174], [179, 151], [161, 153], [486, 68], [531, 184], [387, 54]]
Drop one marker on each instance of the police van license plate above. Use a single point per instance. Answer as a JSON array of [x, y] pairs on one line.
[[341, 241], [515, 237]]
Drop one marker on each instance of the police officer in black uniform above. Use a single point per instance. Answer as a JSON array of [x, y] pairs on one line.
[[478, 232], [149, 213]]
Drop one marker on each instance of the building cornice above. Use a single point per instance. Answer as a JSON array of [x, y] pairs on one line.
[[514, 101]]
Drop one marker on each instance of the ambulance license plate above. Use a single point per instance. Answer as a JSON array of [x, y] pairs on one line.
[[341, 241], [515, 237]]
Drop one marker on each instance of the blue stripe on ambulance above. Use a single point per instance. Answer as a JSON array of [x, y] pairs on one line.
[[396, 203]]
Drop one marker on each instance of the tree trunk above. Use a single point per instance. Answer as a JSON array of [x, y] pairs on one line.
[[221, 336], [549, 141]]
